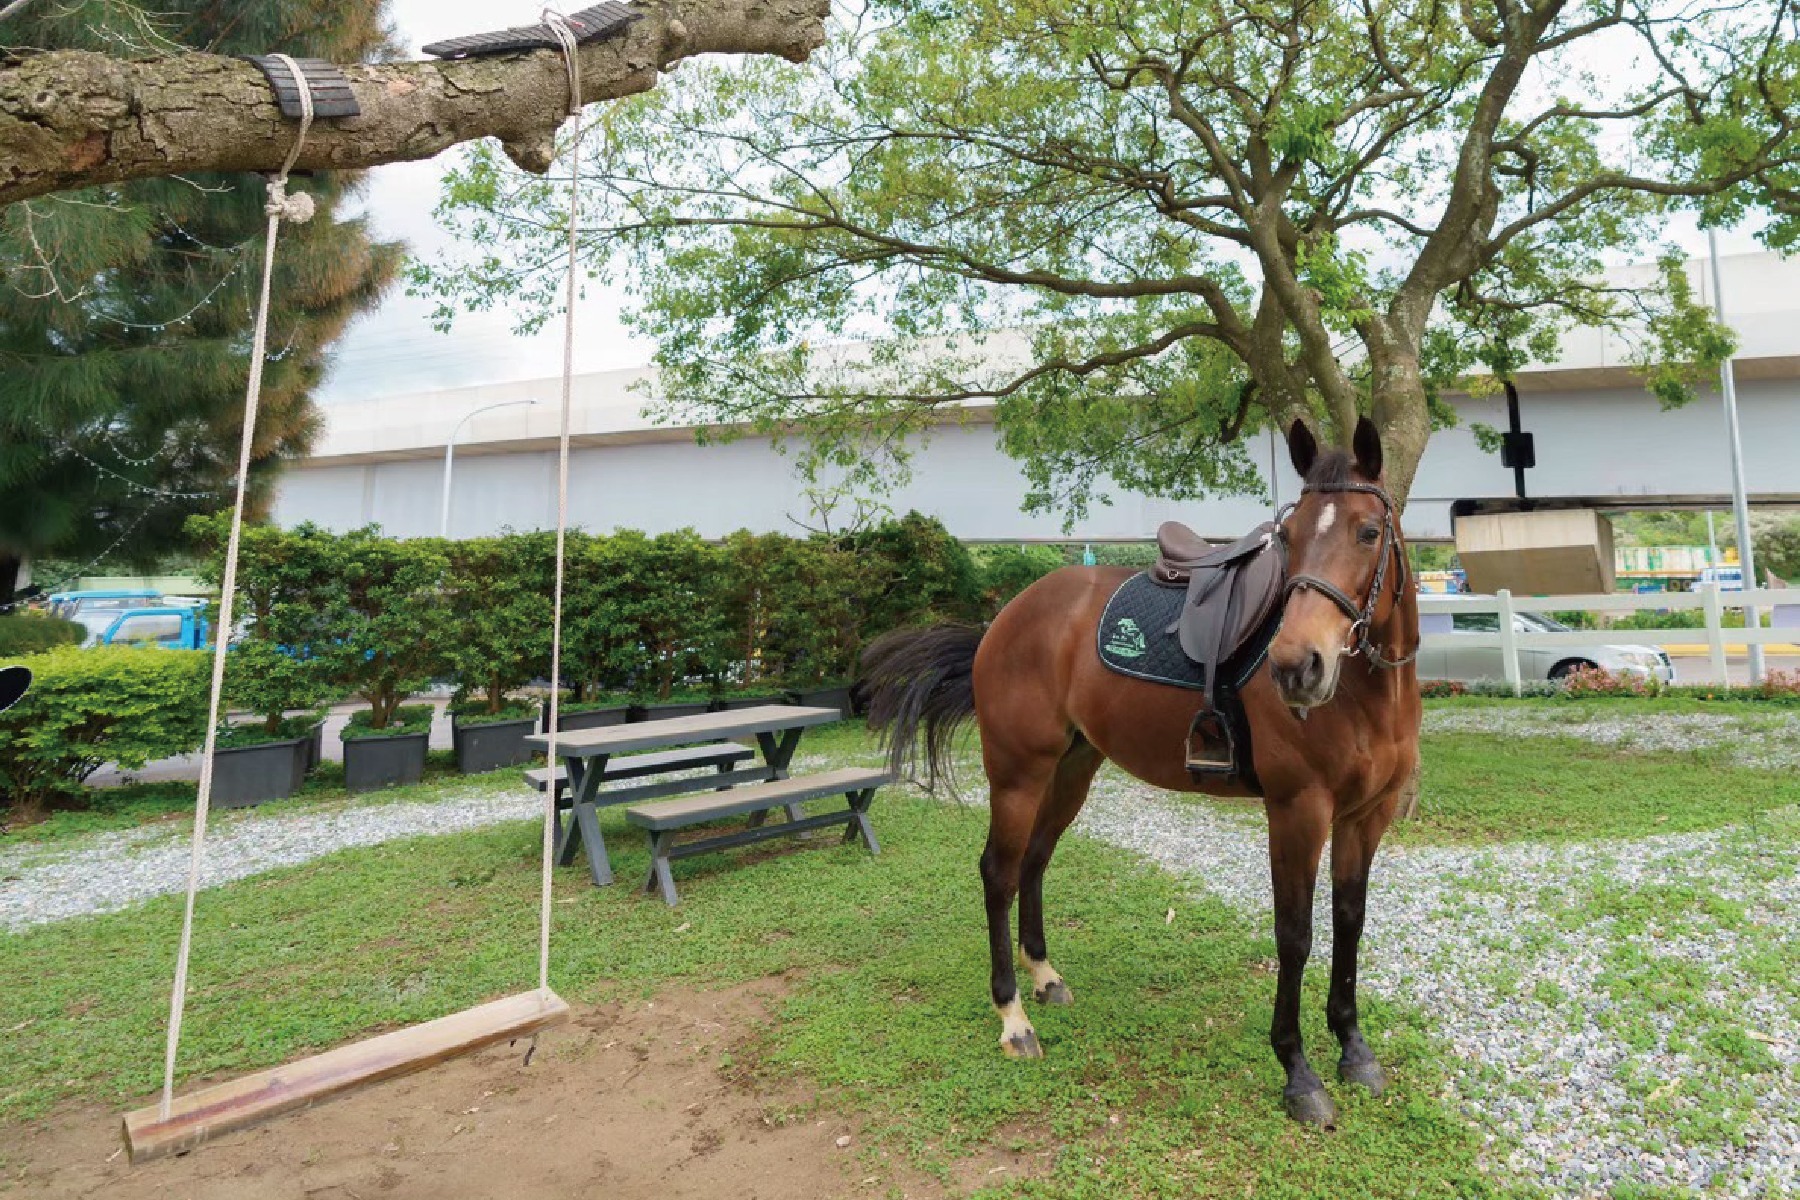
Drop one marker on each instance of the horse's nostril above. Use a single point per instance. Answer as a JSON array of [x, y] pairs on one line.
[[1315, 668]]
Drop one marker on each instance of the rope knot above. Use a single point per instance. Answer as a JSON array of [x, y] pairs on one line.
[[296, 209]]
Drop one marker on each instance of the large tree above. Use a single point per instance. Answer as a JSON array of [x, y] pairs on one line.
[[1144, 228], [125, 311]]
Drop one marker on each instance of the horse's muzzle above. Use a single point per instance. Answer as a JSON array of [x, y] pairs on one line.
[[1307, 681]]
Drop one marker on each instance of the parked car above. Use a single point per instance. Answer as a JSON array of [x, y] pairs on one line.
[[1464, 664], [169, 627], [70, 605]]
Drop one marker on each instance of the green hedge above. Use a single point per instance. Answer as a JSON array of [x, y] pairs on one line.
[[87, 708], [33, 633], [646, 617]]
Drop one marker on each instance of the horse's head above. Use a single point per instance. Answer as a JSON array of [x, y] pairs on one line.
[[1346, 564]]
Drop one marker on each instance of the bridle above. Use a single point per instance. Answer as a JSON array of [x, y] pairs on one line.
[[1362, 617]]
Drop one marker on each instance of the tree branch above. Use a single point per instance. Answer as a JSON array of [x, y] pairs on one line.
[[72, 119]]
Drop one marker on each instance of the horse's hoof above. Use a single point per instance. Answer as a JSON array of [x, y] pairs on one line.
[[1368, 1073], [1022, 1045], [1312, 1108], [1054, 992]]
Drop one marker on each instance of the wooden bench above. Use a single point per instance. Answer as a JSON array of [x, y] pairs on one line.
[[662, 820], [723, 756]]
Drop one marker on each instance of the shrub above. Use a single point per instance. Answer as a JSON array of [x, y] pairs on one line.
[[391, 637], [1584, 682], [921, 575], [500, 594], [33, 633], [1441, 689], [290, 601], [1005, 571], [90, 707], [403, 719]]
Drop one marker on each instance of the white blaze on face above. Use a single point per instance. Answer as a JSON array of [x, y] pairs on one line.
[[1327, 519]]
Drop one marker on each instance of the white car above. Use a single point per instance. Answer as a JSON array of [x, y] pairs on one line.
[[1443, 659]]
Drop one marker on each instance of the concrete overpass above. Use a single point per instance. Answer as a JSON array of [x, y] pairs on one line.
[[1600, 438]]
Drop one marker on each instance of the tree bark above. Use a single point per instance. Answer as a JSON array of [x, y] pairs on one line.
[[73, 119], [9, 579]]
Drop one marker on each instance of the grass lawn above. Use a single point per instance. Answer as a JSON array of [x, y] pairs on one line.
[[1158, 1081]]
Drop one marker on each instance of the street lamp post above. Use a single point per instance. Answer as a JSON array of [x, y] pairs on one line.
[[1739, 501], [450, 457]]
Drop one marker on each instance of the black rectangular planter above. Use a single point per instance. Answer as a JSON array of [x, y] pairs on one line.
[[492, 745], [371, 763], [248, 775], [593, 718], [837, 697], [727, 703], [675, 708]]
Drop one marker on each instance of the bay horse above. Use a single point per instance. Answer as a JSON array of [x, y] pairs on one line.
[[1333, 711]]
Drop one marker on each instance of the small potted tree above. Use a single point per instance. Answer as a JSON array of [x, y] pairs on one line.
[[762, 579], [671, 603], [594, 636], [267, 759], [817, 634], [394, 622], [499, 596]]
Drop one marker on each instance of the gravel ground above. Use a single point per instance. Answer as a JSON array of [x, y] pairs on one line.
[[1765, 740], [1618, 1012], [1562, 1043]]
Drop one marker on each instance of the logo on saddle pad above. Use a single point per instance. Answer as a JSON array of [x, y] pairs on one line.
[[1127, 640]]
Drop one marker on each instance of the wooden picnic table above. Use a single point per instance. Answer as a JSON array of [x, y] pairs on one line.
[[587, 753]]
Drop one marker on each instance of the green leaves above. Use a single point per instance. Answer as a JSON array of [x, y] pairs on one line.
[[90, 707]]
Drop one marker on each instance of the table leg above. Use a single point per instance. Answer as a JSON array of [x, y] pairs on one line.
[[587, 820], [568, 830]]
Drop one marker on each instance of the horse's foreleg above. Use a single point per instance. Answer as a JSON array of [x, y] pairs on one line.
[[1352, 850], [1068, 792], [1297, 829]]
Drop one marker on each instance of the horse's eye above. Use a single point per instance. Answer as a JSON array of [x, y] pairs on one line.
[[1368, 534]]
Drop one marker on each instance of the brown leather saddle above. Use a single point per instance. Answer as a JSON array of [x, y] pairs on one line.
[[1233, 592]]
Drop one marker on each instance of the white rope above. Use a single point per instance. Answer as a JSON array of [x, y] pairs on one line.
[[571, 59], [280, 207]]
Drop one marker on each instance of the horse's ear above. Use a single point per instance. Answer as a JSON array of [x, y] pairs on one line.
[[1367, 445], [1302, 449]]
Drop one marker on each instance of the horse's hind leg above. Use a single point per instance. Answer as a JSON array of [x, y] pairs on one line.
[[1068, 791], [1018, 786]]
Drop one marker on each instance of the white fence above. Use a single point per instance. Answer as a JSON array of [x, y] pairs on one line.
[[1785, 605]]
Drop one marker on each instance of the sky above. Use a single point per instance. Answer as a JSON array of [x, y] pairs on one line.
[[394, 350]]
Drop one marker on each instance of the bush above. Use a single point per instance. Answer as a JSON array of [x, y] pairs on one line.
[[407, 718], [1005, 571], [1584, 682], [33, 633], [290, 602], [87, 708], [391, 638], [500, 593]]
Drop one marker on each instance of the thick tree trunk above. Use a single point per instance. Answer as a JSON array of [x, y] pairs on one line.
[[73, 119], [9, 578], [1401, 411]]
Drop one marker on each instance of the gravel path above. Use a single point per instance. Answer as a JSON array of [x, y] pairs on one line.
[[111, 871], [1547, 997], [1766, 740]]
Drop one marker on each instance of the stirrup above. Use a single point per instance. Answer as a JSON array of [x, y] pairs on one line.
[[1211, 749]]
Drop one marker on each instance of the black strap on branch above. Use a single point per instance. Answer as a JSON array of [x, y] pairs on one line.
[[589, 25], [331, 94]]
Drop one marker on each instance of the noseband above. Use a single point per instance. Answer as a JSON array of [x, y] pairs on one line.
[[1361, 618]]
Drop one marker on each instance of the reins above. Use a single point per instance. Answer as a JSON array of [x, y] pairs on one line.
[[1362, 619]]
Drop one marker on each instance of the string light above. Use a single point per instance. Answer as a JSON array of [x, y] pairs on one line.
[[84, 568]]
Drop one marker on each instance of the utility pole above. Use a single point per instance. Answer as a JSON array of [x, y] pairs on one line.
[[1739, 501]]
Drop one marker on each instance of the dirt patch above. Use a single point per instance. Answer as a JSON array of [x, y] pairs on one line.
[[629, 1102]]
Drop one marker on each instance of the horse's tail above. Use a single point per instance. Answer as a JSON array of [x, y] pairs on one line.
[[921, 681]]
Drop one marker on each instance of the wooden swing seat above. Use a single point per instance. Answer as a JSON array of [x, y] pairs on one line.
[[226, 1107]]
